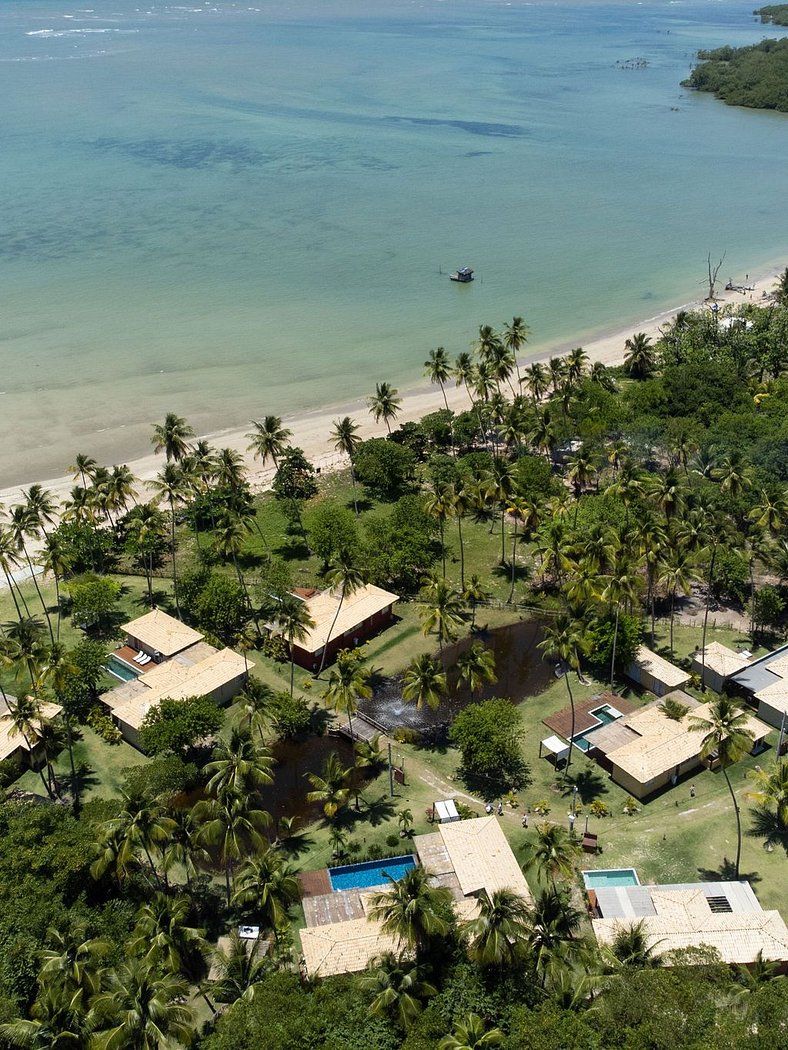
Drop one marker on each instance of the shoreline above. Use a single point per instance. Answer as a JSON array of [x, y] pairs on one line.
[[311, 429]]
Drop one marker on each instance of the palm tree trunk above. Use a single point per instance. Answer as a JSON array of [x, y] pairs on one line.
[[148, 563], [462, 552], [70, 745], [567, 671], [443, 548], [672, 600], [9, 580], [738, 820], [709, 585], [38, 592], [174, 570], [292, 669], [353, 480], [330, 632], [503, 534], [445, 399], [615, 640], [514, 559]]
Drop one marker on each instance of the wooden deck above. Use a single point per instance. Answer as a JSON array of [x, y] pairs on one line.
[[561, 722], [127, 654], [314, 883]]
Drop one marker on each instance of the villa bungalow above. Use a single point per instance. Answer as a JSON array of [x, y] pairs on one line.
[[13, 745], [178, 664], [465, 857], [725, 916], [645, 751], [655, 673], [720, 664], [362, 614], [764, 682]]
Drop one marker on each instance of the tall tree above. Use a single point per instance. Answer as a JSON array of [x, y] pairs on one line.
[[471, 1033], [562, 640], [413, 910], [728, 737], [267, 885], [498, 934], [141, 1009], [424, 682], [552, 852], [169, 486], [344, 578], [346, 439], [438, 369], [443, 612], [269, 439], [347, 684], [295, 622], [476, 666], [397, 987], [385, 404], [172, 437]]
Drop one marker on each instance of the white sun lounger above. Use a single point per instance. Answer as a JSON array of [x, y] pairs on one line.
[[139, 657], [145, 660]]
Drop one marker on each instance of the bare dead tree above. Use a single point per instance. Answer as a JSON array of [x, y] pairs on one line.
[[713, 272]]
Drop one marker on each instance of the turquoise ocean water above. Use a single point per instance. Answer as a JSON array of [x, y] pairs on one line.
[[225, 210]]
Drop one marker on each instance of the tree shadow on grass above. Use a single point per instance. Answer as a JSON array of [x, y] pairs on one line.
[[378, 811], [293, 549], [294, 846], [76, 786], [590, 784], [727, 873]]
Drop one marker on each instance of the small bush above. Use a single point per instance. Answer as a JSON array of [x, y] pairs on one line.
[[10, 770], [375, 851], [598, 808], [104, 726], [542, 807], [392, 840], [406, 735], [466, 813]]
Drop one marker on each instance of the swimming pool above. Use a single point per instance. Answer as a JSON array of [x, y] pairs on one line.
[[370, 873], [606, 877], [604, 716], [120, 669]]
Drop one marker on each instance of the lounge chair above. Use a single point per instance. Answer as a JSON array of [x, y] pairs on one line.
[[139, 657], [145, 660]]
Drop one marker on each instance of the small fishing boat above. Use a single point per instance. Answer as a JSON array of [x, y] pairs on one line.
[[463, 276]]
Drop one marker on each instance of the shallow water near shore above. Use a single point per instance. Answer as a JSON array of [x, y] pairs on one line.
[[224, 211]]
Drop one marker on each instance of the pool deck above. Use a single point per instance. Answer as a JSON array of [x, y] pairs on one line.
[[127, 654], [329, 908], [561, 722], [314, 883]]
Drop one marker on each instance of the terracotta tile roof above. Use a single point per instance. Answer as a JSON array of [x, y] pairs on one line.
[[344, 947], [660, 669], [356, 609], [482, 858], [684, 920], [10, 740], [720, 659], [161, 633]]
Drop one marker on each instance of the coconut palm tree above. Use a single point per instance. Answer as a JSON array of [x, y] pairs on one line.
[[652, 544], [182, 848], [24, 718], [542, 434], [347, 684], [141, 1009], [22, 524], [331, 790], [295, 622], [770, 513], [239, 766], [474, 593], [269, 439], [233, 827], [162, 938], [443, 609], [621, 586], [438, 370], [554, 923], [72, 961], [676, 573], [515, 336], [733, 474], [170, 486], [476, 666], [346, 440], [728, 738], [424, 682], [463, 373], [413, 910], [631, 949], [639, 356], [771, 788], [385, 404], [438, 503], [83, 467], [397, 988], [537, 381], [267, 885], [498, 934], [501, 483], [57, 1022], [344, 578], [562, 640], [552, 852], [145, 528], [459, 496], [9, 562], [172, 437], [139, 826], [471, 1033], [240, 970]]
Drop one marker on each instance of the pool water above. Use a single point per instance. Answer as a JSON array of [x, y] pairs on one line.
[[597, 880], [120, 669], [370, 873], [605, 715]]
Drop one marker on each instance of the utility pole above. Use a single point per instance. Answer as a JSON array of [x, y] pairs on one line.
[[391, 775]]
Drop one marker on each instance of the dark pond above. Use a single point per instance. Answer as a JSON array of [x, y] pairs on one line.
[[518, 663], [286, 797]]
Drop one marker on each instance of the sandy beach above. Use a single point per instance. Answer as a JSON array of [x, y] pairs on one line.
[[311, 430]]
